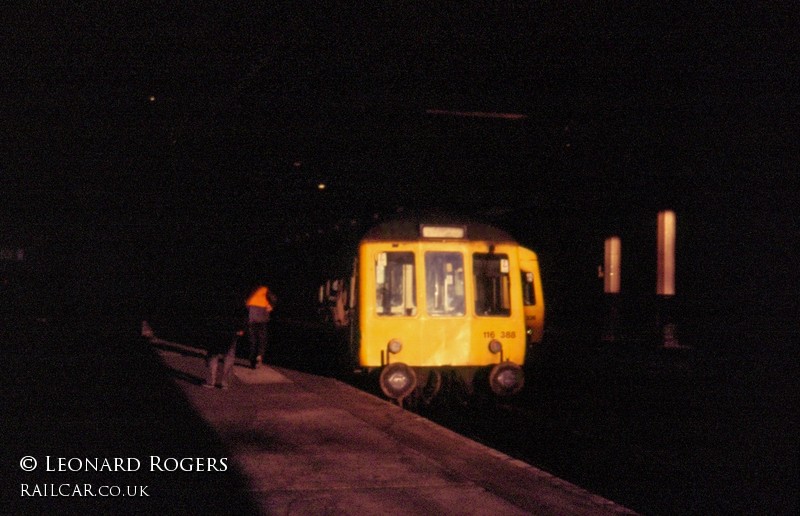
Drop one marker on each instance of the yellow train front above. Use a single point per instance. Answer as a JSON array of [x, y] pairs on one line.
[[431, 299]]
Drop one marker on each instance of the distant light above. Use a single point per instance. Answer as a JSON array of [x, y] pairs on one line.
[[321, 186], [297, 164], [151, 98], [476, 114]]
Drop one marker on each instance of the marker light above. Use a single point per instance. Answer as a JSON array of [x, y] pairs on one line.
[[495, 346], [394, 346]]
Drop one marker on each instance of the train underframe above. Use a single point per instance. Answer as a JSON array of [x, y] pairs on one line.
[[416, 385]]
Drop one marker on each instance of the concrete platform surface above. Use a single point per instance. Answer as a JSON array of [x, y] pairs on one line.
[[313, 445]]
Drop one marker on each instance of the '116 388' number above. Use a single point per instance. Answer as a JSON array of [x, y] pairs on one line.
[[503, 334]]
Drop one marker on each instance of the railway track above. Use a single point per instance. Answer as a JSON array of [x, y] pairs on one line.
[[659, 433]]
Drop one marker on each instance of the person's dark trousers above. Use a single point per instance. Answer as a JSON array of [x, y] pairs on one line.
[[227, 365], [257, 333]]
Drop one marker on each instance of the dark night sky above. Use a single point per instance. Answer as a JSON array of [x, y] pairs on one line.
[[637, 92], [626, 111]]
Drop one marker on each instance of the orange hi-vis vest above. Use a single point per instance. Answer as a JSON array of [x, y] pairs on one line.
[[259, 298]]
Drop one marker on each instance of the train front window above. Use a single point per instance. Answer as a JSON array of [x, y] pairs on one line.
[[528, 291], [492, 284], [444, 283], [395, 281]]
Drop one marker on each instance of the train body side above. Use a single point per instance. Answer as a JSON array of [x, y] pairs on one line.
[[532, 294]]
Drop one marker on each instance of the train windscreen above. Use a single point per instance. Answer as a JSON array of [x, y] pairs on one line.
[[396, 289], [444, 283]]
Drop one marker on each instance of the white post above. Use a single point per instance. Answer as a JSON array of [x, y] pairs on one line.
[[665, 283], [613, 257], [665, 277], [611, 287]]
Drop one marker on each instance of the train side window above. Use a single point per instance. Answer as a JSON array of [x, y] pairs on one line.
[[444, 283], [395, 281], [492, 284], [528, 292]]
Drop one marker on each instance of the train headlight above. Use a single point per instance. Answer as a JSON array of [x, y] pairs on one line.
[[495, 346], [394, 346], [506, 379], [398, 380]]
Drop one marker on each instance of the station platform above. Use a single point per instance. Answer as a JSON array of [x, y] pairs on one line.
[[309, 444]]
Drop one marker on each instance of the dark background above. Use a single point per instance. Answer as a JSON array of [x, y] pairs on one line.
[[162, 147], [155, 159]]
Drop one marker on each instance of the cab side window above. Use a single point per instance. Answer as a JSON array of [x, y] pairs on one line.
[[492, 284], [528, 292]]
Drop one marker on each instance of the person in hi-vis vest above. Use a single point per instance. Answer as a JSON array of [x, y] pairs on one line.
[[258, 311]]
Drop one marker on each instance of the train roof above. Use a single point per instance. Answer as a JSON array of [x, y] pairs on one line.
[[410, 229]]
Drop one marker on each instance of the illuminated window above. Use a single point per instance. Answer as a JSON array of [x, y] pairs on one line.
[[492, 292], [396, 288], [444, 283]]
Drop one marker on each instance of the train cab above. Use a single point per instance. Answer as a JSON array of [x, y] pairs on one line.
[[429, 298]]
